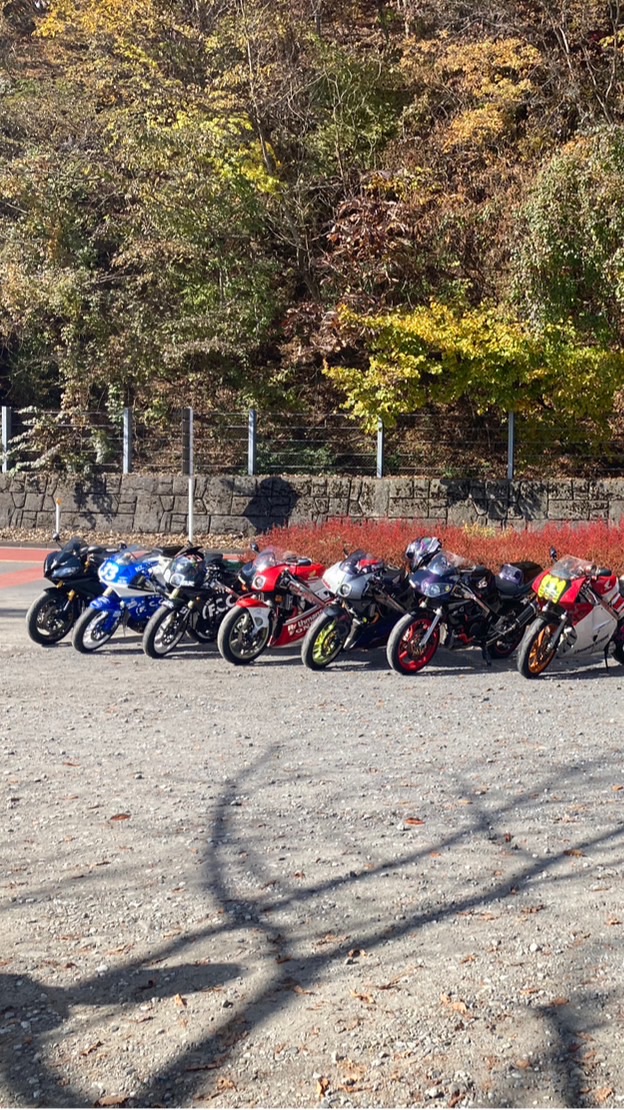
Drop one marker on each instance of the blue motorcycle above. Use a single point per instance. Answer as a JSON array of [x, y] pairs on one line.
[[133, 591]]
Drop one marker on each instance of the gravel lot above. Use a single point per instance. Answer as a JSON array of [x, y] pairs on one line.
[[263, 886]]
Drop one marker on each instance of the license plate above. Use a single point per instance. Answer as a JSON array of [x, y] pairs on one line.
[[551, 587]]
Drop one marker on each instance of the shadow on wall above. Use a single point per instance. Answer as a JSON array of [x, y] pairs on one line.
[[272, 504]]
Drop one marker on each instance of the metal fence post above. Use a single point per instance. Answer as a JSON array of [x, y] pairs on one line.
[[6, 436], [380, 448], [127, 442], [187, 442], [511, 445], [252, 442]]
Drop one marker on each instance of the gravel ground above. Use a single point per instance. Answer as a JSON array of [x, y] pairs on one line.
[[268, 887]]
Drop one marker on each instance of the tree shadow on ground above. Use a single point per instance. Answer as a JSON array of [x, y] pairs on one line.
[[188, 1071]]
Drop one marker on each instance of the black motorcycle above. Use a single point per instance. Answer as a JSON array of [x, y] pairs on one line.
[[370, 597], [460, 607], [203, 587], [74, 573]]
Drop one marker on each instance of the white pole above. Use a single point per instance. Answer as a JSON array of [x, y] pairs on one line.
[[58, 503], [191, 508]]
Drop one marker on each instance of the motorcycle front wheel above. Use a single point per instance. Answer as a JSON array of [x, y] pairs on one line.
[[239, 641], [324, 641], [536, 650], [163, 631], [405, 652], [93, 628], [50, 618]]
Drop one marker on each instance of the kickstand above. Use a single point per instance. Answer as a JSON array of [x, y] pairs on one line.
[[486, 655], [606, 654]]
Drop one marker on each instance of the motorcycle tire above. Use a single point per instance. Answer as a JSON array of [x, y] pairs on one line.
[[402, 651], [164, 631], [505, 646], [324, 641], [205, 627], [535, 654], [87, 635], [50, 618], [238, 641], [618, 649]]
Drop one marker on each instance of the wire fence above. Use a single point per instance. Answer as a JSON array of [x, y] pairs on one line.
[[432, 443]]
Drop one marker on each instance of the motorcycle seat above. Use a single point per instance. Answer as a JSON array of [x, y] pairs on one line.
[[167, 550], [213, 556], [603, 572], [303, 562]]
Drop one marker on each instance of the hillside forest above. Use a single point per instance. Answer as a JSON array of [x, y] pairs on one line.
[[303, 205]]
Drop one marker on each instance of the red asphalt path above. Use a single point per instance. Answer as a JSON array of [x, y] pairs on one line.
[[19, 555]]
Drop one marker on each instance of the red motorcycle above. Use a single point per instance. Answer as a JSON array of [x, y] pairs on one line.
[[287, 595], [582, 613]]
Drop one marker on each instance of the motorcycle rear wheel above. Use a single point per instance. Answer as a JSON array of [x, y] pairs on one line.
[[506, 645], [536, 653], [403, 651], [205, 627], [323, 641], [50, 618], [163, 632], [90, 631], [239, 641]]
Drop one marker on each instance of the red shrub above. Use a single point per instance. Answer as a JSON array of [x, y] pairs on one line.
[[596, 541]]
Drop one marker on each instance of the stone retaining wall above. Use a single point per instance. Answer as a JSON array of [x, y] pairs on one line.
[[159, 503]]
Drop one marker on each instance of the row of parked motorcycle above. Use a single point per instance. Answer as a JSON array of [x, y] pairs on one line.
[[278, 598]]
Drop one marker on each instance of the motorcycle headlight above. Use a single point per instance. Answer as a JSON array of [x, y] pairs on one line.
[[64, 572], [344, 590], [258, 582], [437, 589]]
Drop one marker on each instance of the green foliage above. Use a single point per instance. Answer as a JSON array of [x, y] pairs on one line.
[[436, 355], [570, 261]]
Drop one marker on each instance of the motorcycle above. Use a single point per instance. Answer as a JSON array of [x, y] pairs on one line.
[[369, 598], [133, 590], [468, 606], [582, 614], [287, 594], [203, 586], [73, 570]]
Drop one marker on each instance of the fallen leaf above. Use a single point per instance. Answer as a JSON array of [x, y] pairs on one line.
[[322, 1086], [112, 1100], [366, 998], [224, 1083], [454, 1004], [91, 1048], [180, 1002], [120, 817], [299, 875], [573, 852], [616, 788], [522, 1065], [561, 1001], [70, 763], [603, 1093], [613, 921], [414, 821], [353, 953]]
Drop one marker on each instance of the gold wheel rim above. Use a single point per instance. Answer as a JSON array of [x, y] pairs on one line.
[[539, 657]]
